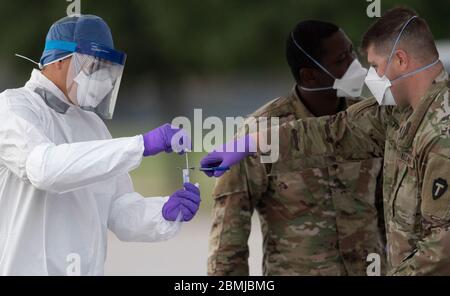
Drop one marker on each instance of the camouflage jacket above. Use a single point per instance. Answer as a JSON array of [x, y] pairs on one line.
[[316, 219], [416, 149]]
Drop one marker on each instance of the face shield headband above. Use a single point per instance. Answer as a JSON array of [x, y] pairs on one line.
[[94, 75]]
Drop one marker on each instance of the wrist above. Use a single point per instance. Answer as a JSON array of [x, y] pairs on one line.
[[149, 149]]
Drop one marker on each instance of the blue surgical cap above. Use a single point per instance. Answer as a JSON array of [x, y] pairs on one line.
[[76, 29]]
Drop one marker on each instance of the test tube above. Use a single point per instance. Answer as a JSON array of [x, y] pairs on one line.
[[186, 178]]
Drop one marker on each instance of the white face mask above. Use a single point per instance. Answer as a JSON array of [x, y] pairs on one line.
[[351, 83], [381, 86], [93, 89]]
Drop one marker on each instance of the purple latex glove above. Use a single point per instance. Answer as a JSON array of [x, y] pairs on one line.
[[187, 201], [160, 139], [232, 153]]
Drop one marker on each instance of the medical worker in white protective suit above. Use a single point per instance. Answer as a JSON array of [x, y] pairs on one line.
[[63, 181]]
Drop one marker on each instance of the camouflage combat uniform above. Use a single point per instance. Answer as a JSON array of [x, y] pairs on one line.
[[316, 219], [416, 149]]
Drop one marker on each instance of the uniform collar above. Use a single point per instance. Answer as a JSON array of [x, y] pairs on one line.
[[409, 129], [300, 109], [443, 76], [48, 91]]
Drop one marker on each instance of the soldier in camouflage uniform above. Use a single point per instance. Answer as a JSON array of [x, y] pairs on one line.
[[316, 219], [414, 139]]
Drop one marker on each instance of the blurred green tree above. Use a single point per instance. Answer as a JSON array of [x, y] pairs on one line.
[[170, 39]]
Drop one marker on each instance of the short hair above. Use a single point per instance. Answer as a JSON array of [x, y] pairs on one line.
[[309, 35], [416, 36]]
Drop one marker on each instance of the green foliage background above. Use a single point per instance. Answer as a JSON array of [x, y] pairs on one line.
[[169, 38]]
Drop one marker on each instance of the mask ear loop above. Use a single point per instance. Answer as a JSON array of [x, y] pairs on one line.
[[39, 64], [416, 71], [30, 60], [310, 57], [397, 41], [395, 47]]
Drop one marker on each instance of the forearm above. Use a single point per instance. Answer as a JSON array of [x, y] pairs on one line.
[[67, 167], [337, 137], [346, 136]]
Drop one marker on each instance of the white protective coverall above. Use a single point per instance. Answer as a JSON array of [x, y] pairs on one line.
[[63, 183]]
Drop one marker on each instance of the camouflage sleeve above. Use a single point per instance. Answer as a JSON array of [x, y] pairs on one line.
[[356, 134], [432, 253], [234, 201]]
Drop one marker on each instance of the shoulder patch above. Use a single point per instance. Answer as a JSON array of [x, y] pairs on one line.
[[440, 186], [435, 193]]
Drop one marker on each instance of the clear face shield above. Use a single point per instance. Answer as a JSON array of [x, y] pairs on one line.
[[93, 83], [94, 76]]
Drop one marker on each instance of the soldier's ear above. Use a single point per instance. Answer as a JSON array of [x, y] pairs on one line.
[[307, 77], [401, 59]]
